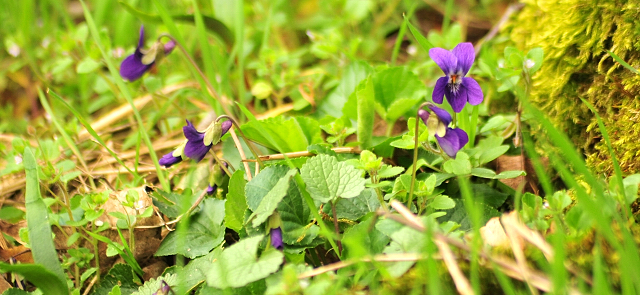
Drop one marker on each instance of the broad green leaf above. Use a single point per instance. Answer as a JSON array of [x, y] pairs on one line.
[[442, 202], [335, 103], [151, 287], [44, 251], [270, 202], [204, 233], [366, 114], [176, 207], [491, 154], [38, 275], [362, 240], [236, 202], [458, 166], [239, 265], [256, 189], [328, 179], [393, 84], [399, 107], [459, 214], [291, 135], [388, 171], [536, 55], [119, 275], [297, 228], [354, 208], [487, 195], [490, 174], [210, 23], [11, 214], [87, 65]]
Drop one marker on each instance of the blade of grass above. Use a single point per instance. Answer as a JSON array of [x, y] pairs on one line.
[[65, 136], [125, 92], [475, 216], [424, 43], [623, 63], [614, 159], [126, 255], [92, 132], [401, 32], [40, 235], [543, 178]]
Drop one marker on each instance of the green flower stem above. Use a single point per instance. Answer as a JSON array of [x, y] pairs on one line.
[[220, 163], [415, 155], [249, 143], [222, 100], [336, 226]]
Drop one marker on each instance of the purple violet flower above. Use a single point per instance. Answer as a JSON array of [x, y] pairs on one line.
[[169, 159], [276, 238], [211, 190], [163, 290], [451, 140], [455, 86], [135, 65], [195, 147]]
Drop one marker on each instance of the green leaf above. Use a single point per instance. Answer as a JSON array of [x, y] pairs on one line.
[[236, 201], [364, 240], [354, 208], [119, 275], [388, 171], [44, 251], [297, 228], [210, 23], [204, 233], [152, 286], [424, 43], [176, 207], [536, 55], [11, 214], [328, 179], [442, 202], [38, 275], [623, 63], [492, 154], [239, 265], [397, 84], [459, 214], [365, 95], [87, 65], [291, 135], [270, 202], [256, 189], [335, 103], [458, 166], [490, 174]]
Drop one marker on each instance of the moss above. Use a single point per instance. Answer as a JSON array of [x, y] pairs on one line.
[[575, 35]]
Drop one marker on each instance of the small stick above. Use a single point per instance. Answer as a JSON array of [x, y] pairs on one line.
[[241, 151], [339, 150]]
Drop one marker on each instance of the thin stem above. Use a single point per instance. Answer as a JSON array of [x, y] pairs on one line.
[[249, 143], [336, 227], [221, 100], [221, 164], [415, 155]]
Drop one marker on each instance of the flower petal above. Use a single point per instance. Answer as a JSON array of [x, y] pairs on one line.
[[438, 90], [141, 40], [444, 59], [168, 160], [424, 115], [474, 92], [132, 67], [443, 115], [195, 148], [465, 54], [168, 47], [276, 238], [453, 141], [226, 125], [458, 100], [211, 189]]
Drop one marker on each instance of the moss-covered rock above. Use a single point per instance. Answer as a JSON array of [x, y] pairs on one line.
[[575, 35]]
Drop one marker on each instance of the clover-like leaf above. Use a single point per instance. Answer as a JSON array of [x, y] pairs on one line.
[[327, 179], [239, 265]]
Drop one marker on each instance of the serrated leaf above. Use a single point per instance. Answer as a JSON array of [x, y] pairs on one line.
[[295, 215], [270, 202], [354, 208], [239, 265], [152, 286], [236, 201], [328, 179], [204, 233], [119, 275], [256, 189]]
